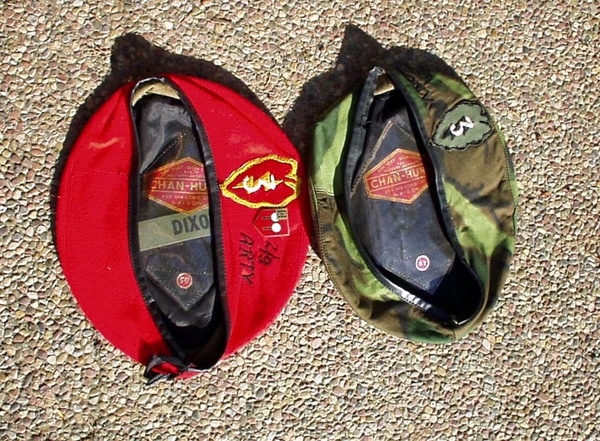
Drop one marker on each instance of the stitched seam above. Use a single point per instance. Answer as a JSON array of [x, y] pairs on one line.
[[165, 151], [97, 172], [172, 271]]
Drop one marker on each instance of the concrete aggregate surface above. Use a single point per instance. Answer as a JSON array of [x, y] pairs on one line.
[[530, 372]]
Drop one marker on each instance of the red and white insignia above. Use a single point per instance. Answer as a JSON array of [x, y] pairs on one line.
[[270, 181], [400, 177], [184, 280], [180, 186], [422, 263], [272, 222]]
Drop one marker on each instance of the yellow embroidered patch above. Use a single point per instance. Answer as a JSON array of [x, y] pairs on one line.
[[269, 181]]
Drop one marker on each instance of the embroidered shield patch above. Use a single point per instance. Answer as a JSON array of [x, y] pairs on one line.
[[270, 181], [465, 125]]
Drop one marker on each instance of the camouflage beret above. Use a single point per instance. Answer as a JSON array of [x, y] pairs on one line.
[[414, 202]]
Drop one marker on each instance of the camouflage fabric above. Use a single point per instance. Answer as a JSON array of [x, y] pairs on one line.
[[474, 184]]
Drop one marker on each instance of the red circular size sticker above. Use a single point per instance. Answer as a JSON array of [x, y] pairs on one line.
[[184, 280], [422, 263]]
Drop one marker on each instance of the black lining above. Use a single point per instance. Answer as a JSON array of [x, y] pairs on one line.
[[215, 207], [433, 154], [352, 157], [134, 245], [216, 228], [164, 152], [355, 151]]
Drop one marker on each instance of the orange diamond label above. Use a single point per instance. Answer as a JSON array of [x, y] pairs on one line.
[[270, 181], [400, 177], [180, 186]]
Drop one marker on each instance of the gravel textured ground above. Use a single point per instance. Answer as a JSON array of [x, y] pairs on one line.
[[530, 372]]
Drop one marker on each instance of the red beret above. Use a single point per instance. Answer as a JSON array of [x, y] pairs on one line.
[[180, 222]]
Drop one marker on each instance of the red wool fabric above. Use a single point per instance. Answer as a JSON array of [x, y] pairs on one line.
[[92, 220]]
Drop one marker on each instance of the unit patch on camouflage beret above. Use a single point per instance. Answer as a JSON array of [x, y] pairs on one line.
[[465, 125]]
